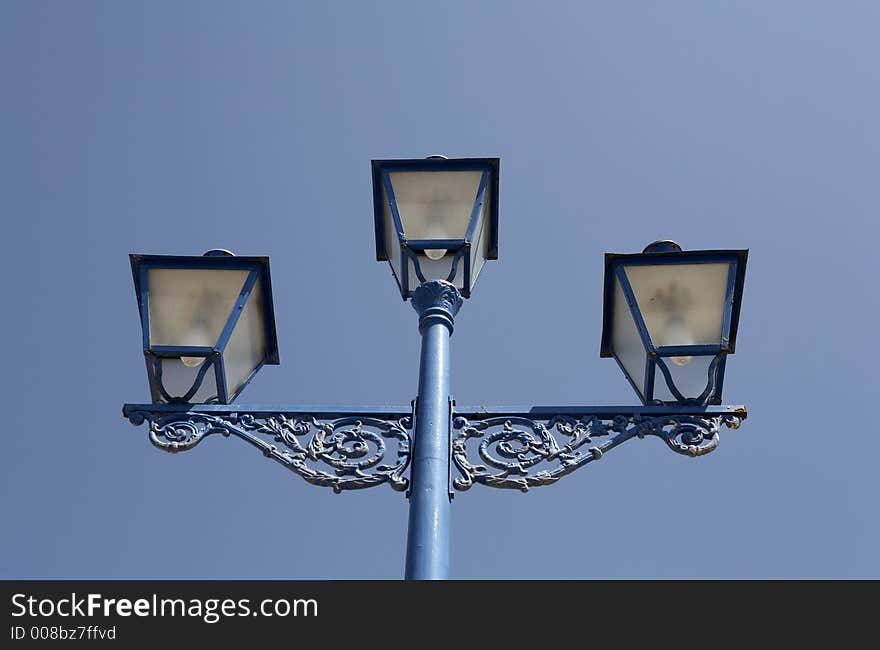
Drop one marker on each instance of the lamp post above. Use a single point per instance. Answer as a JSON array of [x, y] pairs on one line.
[[670, 321]]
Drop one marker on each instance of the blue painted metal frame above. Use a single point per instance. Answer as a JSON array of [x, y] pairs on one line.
[[470, 411], [614, 270], [258, 268], [458, 247]]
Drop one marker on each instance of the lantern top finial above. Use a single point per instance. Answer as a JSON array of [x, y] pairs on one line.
[[662, 246]]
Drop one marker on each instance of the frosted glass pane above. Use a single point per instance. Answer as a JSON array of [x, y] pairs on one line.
[[682, 304], [247, 345], [392, 243], [435, 205], [191, 306], [178, 378], [436, 270], [480, 244], [626, 342], [690, 379]]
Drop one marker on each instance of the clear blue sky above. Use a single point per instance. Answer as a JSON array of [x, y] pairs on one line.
[[171, 127]]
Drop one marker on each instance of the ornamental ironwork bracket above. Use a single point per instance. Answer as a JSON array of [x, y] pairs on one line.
[[526, 448], [343, 449], [512, 448]]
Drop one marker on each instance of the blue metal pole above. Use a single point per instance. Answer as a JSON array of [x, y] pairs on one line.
[[427, 545]]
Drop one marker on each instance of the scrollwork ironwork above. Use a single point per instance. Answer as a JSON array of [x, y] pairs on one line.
[[353, 447], [348, 450], [512, 447]]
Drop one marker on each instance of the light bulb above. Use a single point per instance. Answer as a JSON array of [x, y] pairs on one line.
[[435, 253], [192, 362]]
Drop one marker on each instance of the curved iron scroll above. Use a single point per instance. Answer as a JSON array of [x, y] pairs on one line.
[[353, 447], [511, 447]]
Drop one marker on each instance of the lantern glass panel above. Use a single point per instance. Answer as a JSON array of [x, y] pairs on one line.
[[628, 345], [392, 241], [178, 378], [435, 204], [480, 244], [436, 270], [189, 307], [681, 304], [247, 345], [689, 378]]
